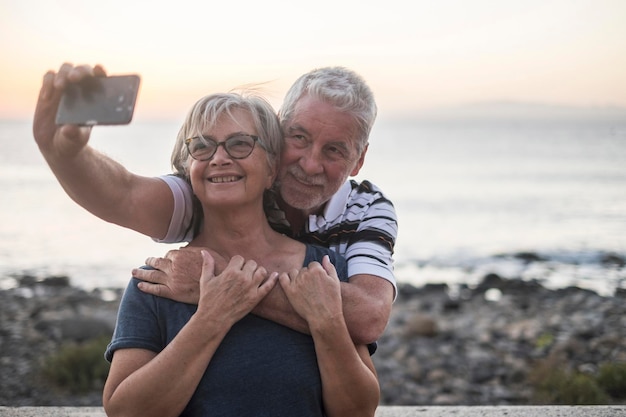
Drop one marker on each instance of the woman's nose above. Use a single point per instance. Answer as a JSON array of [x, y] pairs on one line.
[[220, 157]]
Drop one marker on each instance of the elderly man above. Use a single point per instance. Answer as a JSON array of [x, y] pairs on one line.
[[326, 118]]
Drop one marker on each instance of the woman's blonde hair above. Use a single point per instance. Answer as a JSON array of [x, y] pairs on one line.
[[203, 116]]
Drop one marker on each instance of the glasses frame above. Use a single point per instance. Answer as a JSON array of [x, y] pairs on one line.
[[188, 141]]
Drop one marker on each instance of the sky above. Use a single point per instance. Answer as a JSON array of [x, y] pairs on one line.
[[416, 55]]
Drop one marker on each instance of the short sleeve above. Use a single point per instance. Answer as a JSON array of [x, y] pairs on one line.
[[180, 229]]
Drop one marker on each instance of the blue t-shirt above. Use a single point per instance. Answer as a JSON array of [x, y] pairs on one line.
[[261, 368]]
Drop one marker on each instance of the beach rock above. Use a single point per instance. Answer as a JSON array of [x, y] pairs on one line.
[[613, 259], [438, 349], [77, 329], [37, 318], [484, 351]]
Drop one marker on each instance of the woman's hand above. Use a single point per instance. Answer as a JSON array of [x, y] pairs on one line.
[[314, 291], [232, 294]]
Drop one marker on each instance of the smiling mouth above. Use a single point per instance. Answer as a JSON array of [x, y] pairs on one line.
[[307, 182], [221, 180]]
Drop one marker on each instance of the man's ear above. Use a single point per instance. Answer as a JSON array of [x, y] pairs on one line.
[[359, 163]]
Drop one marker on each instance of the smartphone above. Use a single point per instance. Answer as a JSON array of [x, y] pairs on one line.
[[99, 101]]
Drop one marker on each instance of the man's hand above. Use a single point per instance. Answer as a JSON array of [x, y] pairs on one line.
[[177, 275], [60, 141]]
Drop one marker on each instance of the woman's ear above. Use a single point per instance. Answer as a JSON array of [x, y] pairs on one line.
[[272, 175], [270, 180]]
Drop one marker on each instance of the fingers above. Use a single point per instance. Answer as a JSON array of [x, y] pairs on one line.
[[250, 268], [267, 284], [56, 81], [73, 131], [81, 72], [151, 275], [236, 262], [47, 104], [155, 289], [208, 265], [326, 266], [60, 78], [286, 279], [162, 264], [70, 73], [329, 267], [99, 71], [47, 86]]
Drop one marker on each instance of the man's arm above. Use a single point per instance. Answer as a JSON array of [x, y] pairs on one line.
[[366, 299], [93, 180]]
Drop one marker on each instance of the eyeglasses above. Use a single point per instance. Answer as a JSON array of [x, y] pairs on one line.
[[237, 147]]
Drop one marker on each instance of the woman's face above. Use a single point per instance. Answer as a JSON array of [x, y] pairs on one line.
[[223, 181]]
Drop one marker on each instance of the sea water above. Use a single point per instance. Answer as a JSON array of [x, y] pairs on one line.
[[530, 200]]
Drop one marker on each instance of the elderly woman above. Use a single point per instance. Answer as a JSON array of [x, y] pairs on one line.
[[170, 358]]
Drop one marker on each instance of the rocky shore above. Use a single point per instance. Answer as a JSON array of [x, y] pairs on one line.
[[475, 346]]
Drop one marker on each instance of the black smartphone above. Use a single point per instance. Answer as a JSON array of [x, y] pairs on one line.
[[99, 101]]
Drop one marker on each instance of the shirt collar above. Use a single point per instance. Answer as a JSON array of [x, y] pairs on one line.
[[334, 208]]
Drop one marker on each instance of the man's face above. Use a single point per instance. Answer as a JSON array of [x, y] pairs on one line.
[[320, 154]]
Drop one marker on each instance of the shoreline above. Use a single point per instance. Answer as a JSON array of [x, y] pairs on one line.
[[474, 346]]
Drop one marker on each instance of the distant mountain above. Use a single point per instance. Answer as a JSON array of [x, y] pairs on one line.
[[523, 111]]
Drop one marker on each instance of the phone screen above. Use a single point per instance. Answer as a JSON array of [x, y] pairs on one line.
[[99, 101]]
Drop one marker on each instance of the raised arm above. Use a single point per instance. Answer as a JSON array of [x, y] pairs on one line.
[[93, 180]]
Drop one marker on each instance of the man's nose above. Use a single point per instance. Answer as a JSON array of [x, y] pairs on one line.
[[311, 162]]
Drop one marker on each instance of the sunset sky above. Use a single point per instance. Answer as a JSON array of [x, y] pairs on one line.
[[415, 54]]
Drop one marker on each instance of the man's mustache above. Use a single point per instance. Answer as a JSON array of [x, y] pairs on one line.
[[300, 176]]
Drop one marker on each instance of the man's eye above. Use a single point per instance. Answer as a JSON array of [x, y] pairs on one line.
[[298, 140], [336, 152]]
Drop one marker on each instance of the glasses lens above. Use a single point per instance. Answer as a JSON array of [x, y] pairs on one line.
[[201, 148], [239, 146]]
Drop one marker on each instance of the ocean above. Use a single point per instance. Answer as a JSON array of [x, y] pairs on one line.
[[532, 200]]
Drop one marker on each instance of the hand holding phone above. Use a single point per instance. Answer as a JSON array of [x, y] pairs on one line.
[[99, 101]]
